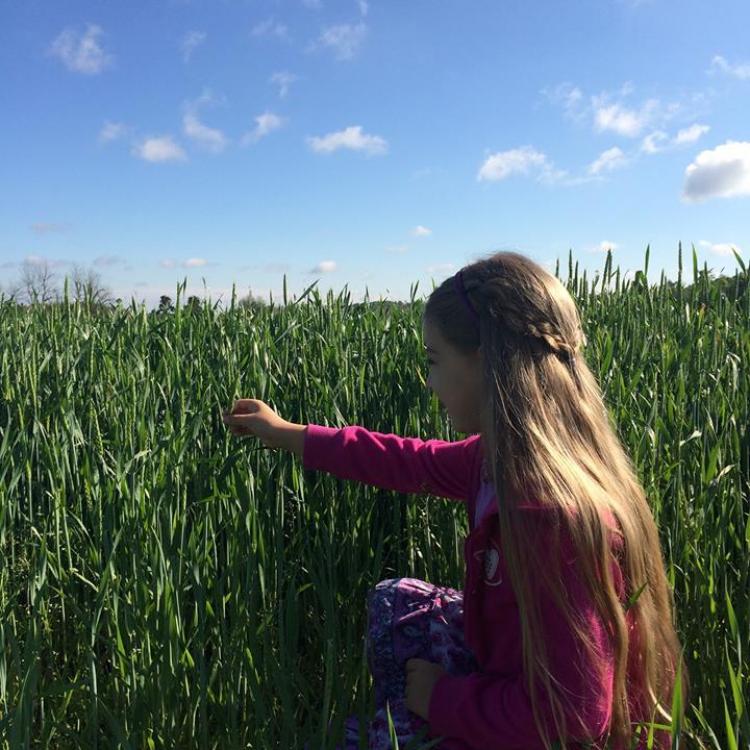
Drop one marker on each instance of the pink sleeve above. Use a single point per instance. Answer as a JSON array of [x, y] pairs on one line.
[[408, 465], [492, 710]]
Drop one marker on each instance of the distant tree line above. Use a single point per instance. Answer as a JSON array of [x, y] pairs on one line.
[[37, 285]]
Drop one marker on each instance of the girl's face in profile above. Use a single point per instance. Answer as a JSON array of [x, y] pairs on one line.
[[454, 378]]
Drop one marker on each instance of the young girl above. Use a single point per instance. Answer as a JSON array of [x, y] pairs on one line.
[[540, 649]]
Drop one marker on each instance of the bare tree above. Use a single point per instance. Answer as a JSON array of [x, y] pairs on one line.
[[37, 284], [88, 283]]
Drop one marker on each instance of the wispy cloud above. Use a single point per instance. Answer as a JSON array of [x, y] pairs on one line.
[[570, 97], [110, 261], [264, 124], [38, 260], [621, 120], [740, 70], [283, 80], [159, 149], [659, 141], [605, 245], [81, 52], [111, 131], [722, 172], [344, 39], [325, 266], [655, 142], [350, 138], [206, 98], [610, 159], [721, 248], [191, 41], [528, 161], [210, 138], [420, 231], [270, 27], [187, 263], [47, 227], [523, 160], [691, 134], [608, 112]]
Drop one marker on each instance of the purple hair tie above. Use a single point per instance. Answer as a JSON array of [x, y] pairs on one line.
[[458, 283]]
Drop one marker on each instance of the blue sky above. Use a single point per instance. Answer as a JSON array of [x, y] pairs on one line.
[[373, 144]]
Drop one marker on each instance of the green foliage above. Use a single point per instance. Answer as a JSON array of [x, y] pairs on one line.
[[165, 584]]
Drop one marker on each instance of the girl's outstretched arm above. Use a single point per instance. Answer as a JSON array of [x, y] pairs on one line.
[[403, 464]]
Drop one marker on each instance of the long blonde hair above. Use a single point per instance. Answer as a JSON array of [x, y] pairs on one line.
[[545, 429]]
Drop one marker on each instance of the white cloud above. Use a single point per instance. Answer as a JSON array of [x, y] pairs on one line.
[[741, 70], [190, 41], [721, 248], [265, 124], [283, 80], [608, 113], [111, 131], [420, 231], [611, 159], [351, 138], [269, 27], [649, 144], [400, 249], [691, 134], [159, 149], [500, 165], [723, 172], [605, 245], [212, 139], [81, 52], [325, 266], [209, 138], [623, 121], [344, 39], [659, 141], [189, 263], [524, 160], [363, 7]]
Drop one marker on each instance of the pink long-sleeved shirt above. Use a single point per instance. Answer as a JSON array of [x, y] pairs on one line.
[[489, 709]]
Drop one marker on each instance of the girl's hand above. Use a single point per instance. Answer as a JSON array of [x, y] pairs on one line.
[[421, 676], [250, 416]]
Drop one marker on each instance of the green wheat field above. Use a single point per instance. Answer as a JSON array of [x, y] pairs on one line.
[[164, 584]]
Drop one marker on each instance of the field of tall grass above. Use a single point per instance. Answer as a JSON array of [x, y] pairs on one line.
[[164, 584]]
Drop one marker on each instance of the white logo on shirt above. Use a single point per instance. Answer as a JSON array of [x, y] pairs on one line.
[[491, 557]]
